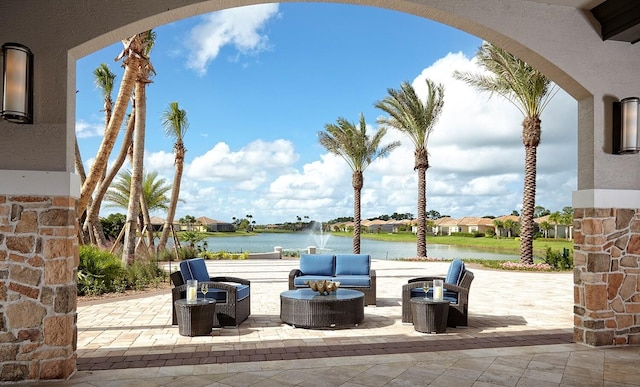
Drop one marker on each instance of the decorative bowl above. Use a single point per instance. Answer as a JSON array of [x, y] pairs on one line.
[[323, 287]]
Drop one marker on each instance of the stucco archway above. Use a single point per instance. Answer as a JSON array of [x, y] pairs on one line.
[[38, 251]]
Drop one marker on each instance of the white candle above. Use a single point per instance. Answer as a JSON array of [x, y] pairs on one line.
[[437, 293], [191, 294]]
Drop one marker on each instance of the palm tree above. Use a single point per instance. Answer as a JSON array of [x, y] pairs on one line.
[[530, 91], [359, 150], [154, 190], [509, 225], [141, 46], [498, 224], [131, 61], [416, 119], [554, 218], [175, 123], [566, 219], [104, 80], [546, 226]]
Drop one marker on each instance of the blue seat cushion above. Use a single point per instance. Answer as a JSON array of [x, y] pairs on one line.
[[317, 264], [448, 295], [353, 280], [353, 264], [299, 282], [454, 275], [221, 295], [194, 269]]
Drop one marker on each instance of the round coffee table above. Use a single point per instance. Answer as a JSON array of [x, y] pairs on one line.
[[195, 318], [429, 315], [308, 309]]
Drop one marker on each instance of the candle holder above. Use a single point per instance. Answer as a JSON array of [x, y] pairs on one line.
[[192, 291], [438, 290]]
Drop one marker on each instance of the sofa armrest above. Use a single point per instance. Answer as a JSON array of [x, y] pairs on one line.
[[292, 275], [230, 279], [422, 279]]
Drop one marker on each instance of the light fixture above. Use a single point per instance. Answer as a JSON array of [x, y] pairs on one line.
[[626, 126], [17, 83]]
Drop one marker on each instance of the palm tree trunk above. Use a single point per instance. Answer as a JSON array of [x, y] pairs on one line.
[[528, 205], [421, 234], [110, 136], [357, 181], [128, 254], [175, 194], [147, 221], [94, 208]]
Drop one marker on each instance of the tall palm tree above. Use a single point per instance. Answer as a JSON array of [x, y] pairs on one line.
[[416, 119], [104, 79], [359, 150], [530, 91], [131, 61], [498, 224], [175, 123], [142, 46], [101, 190]]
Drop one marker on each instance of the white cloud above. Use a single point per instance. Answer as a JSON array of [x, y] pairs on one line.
[[239, 27], [86, 129]]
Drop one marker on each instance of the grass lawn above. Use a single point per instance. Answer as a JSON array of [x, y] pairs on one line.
[[511, 245]]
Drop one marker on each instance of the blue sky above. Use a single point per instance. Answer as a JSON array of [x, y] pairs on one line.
[[258, 83]]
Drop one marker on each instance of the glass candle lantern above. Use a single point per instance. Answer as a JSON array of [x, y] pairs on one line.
[[192, 290], [438, 289]]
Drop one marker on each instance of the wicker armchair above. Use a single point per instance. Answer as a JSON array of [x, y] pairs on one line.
[[232, 295], [457, 293]]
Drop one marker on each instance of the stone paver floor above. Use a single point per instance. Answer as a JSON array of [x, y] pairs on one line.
[[519, 334]]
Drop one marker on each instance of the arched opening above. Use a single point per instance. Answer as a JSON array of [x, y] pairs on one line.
[[606, 229]]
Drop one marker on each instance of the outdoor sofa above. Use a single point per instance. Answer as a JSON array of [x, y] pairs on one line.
[[232, 294], [456, 291], [353, 271]]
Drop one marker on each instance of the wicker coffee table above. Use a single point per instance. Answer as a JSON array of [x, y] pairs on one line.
[[307, 309], [429, 315], [195, 318]]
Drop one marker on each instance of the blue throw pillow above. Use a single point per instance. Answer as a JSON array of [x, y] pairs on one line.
[[353, 264], [317, 264], [194, 269], [454, 275]]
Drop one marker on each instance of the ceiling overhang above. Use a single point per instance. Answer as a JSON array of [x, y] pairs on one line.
[[619, 20]]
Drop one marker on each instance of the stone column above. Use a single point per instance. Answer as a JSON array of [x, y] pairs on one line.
[[607, 272], [38, 263]]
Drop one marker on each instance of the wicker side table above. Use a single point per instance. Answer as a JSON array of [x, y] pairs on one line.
[[429, 315], [195, 318], [307, 309]]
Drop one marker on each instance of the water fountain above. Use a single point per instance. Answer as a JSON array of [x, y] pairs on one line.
[[319, 237]]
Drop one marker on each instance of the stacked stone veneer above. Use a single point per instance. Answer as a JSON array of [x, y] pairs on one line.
[[38, 261], [607, 276]]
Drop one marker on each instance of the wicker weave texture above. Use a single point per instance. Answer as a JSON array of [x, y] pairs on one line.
[[429, 316], [195, 319], [321, 312]]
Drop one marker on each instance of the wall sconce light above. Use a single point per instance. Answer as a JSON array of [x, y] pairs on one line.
[[626, 126], [17, 83]]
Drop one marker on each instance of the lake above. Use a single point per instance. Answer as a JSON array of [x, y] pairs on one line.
[[300, 242]]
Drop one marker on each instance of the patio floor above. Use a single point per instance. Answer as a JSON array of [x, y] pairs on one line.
[[519, 334]]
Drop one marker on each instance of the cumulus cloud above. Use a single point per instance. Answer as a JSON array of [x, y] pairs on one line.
[[86, 129], [240, 27], [247, 167]]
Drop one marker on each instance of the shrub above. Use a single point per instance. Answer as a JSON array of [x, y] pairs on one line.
[[224, 255], [98, 271], [474, 234], [561, 260]]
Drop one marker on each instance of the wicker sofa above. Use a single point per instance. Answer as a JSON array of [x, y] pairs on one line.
[[232, 294], [353, 271], [456, 290]]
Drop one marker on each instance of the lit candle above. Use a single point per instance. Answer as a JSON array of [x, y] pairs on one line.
[[437, 293], [191, 294]]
